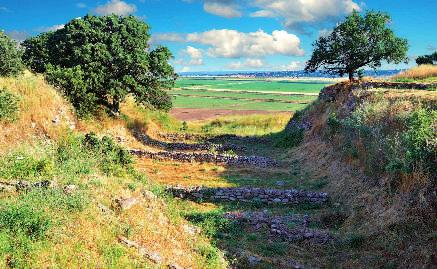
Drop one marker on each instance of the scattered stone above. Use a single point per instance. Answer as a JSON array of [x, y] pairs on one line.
[[258, 195], [104, 209], [175, 266], [294, 228], [148, 195], [280, 183], [121, 204], [232, 160], [151, 256], [191, 229], [70, 189], [56, 120], [253, 261]]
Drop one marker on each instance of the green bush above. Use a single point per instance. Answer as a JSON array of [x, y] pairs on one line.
[[24, 219], [421, 139], [10, 57], [113, 158], [290, 138], [8, 106], [23, 165]]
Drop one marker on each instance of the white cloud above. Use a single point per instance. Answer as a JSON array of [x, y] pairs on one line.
[[234, 44], [196, 56], [293, 66], [248, 64], [296, 13], [117, 7], [185, 69], [81, 5], [52, 28], [170, 37], [18, 36], [325, 32], [227, 10]]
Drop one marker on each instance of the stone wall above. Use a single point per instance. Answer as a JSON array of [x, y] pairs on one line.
[[232, 160], [248, 195], [187, 146]]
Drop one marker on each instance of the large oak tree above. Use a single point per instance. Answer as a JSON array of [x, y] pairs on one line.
[[98, 61], [359, 41]]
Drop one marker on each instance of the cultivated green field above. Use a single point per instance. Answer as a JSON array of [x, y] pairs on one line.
[[245, 94]]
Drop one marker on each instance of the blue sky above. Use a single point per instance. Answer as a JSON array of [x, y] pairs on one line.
[[213, 35]]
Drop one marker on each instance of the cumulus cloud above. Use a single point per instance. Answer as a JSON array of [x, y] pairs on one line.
[[248, 64], [226, 9], [234, 44], [196, 55], [117, 7], [297, 13]]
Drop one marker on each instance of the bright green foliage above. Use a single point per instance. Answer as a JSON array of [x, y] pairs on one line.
[[427, 59], [100, 60], [359, 41], [8, 106], [421, 138], [10, 56]]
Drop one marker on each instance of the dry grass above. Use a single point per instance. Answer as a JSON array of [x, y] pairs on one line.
[[418, 72], [39, 105]]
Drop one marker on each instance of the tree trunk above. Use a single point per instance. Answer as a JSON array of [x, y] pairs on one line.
[[351, 76], [116, 106]]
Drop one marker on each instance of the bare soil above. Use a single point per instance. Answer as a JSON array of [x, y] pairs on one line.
[[193, 114]]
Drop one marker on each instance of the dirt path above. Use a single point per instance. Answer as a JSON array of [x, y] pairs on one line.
[[193, 114]]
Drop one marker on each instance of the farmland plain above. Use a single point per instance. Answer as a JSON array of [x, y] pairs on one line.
[[245, 94]]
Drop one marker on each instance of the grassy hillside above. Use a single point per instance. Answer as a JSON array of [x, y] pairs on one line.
[[378, 150], [68, 200]]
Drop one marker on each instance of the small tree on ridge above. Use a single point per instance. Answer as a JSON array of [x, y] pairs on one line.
[[359, 41]]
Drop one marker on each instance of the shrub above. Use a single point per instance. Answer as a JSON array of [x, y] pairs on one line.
[[113, 158], [290, 138], [421, 139], [22, 165], [10, 60], [8, 106], [24, 219]]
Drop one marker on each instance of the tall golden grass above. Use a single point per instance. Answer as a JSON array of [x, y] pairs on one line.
[[418, 72], [39, 105]]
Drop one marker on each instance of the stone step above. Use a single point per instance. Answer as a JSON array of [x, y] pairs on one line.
[[250, 195], [231, 160]]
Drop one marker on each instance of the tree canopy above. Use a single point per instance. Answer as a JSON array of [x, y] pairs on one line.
[[427, 59], [98, 61], [10, 56], [359, 41]]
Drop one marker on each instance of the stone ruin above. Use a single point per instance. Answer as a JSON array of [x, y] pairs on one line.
[[250, 195], [231, 160], [293, 228]]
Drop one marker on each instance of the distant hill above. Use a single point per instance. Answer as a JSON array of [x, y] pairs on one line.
[[281, 74]]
